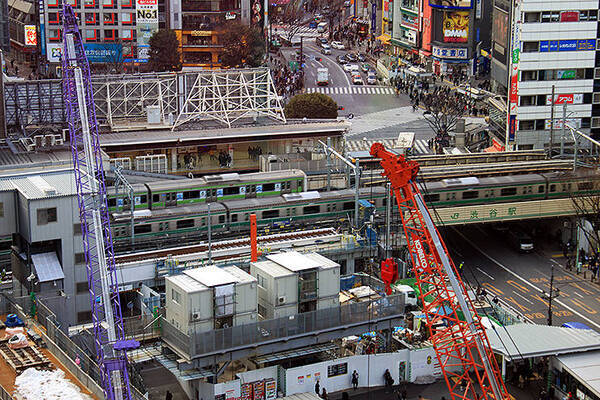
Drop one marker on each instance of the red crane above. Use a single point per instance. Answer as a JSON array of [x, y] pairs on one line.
[[458, 337]]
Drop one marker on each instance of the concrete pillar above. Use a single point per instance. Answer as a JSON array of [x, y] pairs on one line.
[[174, 159], [350, 265]]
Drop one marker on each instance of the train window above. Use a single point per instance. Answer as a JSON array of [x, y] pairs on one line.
[[221, 219], [541, 189], [234, 217], [451, 196], [585, 186], [553, 188], [294, 211], [155, 198], [146, 228], [143, 199], [228, 191], [429, 198], [349, 205], [246, 217], [203, 221], [508, 191], [471, 194], [191, 194], [268, 187], [185, 223], [334, 207], [112, 202], [312, 210], [270, 214]]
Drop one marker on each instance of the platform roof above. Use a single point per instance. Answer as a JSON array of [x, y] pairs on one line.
[[515, 341], [585, 367]]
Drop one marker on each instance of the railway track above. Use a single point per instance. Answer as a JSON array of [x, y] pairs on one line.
[[23, 358], [263, 241]]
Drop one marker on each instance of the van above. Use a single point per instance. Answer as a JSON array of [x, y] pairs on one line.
[[322, 76], [321, 27], [520, 240]]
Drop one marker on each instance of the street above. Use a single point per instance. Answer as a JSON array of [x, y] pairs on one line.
[[519, 279]]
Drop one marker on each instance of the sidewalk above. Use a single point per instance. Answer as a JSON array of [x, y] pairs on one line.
[[433, 391]]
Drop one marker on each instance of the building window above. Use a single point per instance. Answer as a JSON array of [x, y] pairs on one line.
[[176, 296], [54, 3], [108, 3], [532, 17], [91, 18], [126, 3], [79, 258], [526, 125], [128, 34], [81, 287], [46, 215], [53, 18], [110, 19], [530, 47], [91, 35], [77, 229], [73, 3], [527, 101], [127, 18], [54, 35], [529, 76], [555, 16], [90, 3], [586, 122], [84, 317], [110, 35]]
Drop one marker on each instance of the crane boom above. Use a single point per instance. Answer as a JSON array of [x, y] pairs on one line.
[[109, 335], [458, 337]]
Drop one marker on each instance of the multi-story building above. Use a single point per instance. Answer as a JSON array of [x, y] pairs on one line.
[[113, 31], [406, 25], [4, 36], [541, 48], [198, 24], [22, 24]]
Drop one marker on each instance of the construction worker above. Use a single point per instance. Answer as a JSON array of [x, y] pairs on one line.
[[460, 266]]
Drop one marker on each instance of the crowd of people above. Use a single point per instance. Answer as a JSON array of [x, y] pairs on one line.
[[287, 82]]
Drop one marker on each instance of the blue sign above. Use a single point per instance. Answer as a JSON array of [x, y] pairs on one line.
[[567, 45], [104, 52], [219, 192], [179, 196], [586, 44], [452, 4], [544, 46], [374, 17], [553, 45], [259, 188]]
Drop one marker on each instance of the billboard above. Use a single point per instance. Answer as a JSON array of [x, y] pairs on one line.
[[457, 4], [30, 35], [95, 52], [147, 24], [500, 27], [456, 26]]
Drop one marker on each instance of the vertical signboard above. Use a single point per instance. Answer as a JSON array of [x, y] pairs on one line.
[[30, 35], [515, 54], [42, 27], [147, 24]]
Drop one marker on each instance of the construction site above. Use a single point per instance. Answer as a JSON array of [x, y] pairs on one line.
[[320, 270]]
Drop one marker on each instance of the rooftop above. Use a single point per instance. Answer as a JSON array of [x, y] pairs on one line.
[[585, 366], [41, 185]]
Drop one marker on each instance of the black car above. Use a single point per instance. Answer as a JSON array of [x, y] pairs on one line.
[[341, 59], [351, 57], [362, 58]]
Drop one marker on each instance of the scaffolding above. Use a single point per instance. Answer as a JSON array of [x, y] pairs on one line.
[[229, 95]]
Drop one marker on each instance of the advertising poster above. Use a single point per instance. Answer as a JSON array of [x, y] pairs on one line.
[[147, 24], [500, 27], [30, 35], [456, 26], [95, 52], [450, 3], [257, 13]]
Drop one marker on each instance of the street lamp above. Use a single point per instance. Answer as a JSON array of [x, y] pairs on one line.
[[554, 293]]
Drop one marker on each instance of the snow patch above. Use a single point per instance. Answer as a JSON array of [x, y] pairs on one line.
[[34, 384]]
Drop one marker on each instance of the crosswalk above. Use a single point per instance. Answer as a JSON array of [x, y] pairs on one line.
[[371, 90], [303, 31], [420, 146]]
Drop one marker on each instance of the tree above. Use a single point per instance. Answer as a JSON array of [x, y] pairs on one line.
[[587, 210], [442, 111], [293, 18], [243, 46], [164, 51], [311, 105]]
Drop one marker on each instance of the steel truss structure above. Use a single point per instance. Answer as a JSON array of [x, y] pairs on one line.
[[458, 337], [229, 95], [225, 96], [107, 319], [124, 100]]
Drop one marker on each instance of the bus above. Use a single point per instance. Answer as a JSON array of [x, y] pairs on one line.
[[322, 76]]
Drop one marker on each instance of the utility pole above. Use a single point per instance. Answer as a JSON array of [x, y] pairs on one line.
[[209, 235], [554, 293], [2, 107], [564, 127], [302, 53], [328, 165], [552, 121]]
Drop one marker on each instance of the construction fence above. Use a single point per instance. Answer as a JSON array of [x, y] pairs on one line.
[[67, 351]]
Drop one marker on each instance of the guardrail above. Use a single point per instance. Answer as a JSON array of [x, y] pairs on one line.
[[285, 328]]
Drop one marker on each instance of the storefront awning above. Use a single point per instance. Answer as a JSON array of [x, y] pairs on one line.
[[496, 147], [47, 267]]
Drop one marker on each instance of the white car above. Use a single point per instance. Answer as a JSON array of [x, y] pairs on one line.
[[357, 80], [337, 45], [326, 49], [371, 79], [348, 67]]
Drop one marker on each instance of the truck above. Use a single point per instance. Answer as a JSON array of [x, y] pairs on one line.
[[408, 295], [322, 76]]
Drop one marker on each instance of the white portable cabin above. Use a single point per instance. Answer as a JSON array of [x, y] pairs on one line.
[[207, 298], [290, 283]]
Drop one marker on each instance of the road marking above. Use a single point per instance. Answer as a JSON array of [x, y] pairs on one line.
[[526, 281], [577, 294], [485, 273], [523, 297]]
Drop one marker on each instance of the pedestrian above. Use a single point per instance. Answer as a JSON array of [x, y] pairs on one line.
[[3, 274], [354, 380], [169, 396], [324, 394], [460, 266], [404, 394], [77, 360], [317, 387]]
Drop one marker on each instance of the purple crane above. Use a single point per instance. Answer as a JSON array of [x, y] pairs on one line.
[[111, 345]]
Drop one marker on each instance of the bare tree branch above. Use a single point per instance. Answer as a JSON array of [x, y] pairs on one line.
[[293, 17]]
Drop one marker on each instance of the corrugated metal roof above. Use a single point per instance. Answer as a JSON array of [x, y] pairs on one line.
[[514, 341], [186, 283], [586, 367], [40, 186], [211, 276]]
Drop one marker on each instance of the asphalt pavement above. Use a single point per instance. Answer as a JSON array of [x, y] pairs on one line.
[[522, 279]]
